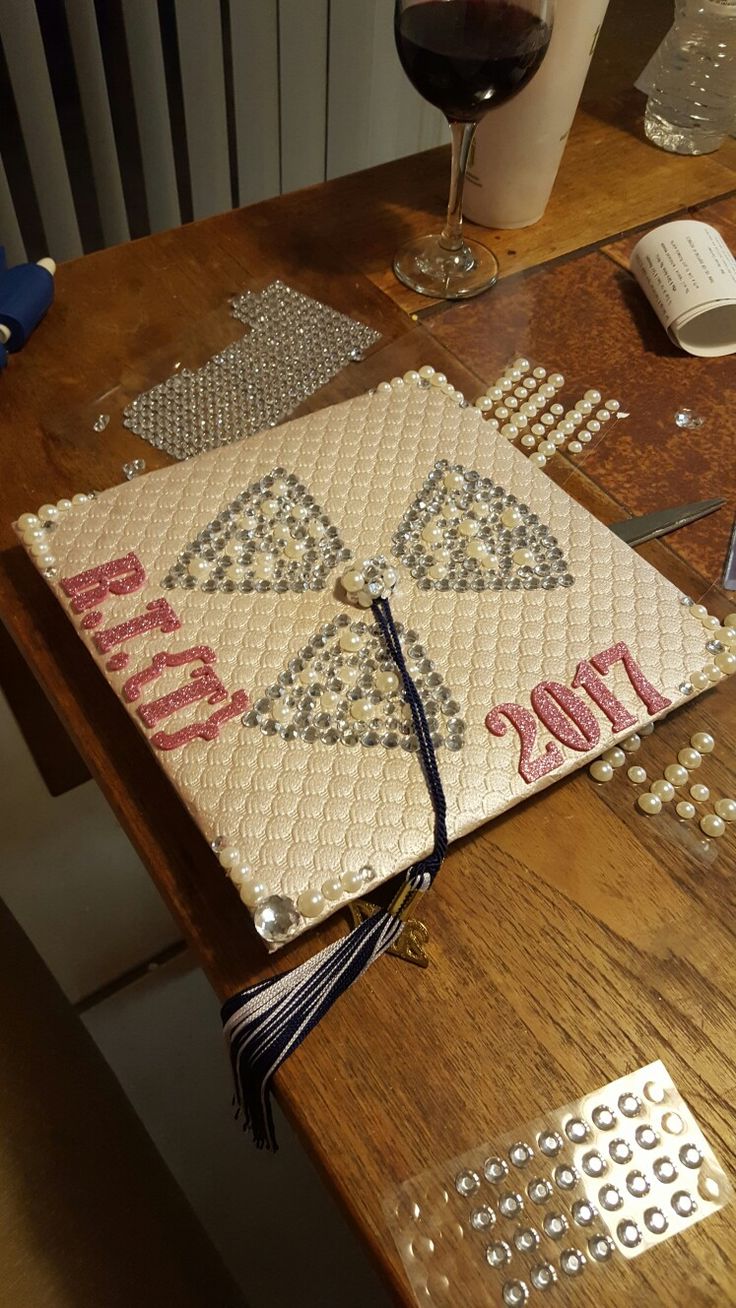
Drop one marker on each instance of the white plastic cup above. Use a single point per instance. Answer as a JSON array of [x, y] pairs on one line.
[[518, 147]]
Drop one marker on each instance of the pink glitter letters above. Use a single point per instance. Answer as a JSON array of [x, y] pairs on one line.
[[565, 715], [526, 725], [159, 616], [207, 730], [616, 712], [132, 687], [647, 693], [203, 683], [119, 577]]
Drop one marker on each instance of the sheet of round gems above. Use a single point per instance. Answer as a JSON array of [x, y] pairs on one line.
[[562, 1197], [294, 346]]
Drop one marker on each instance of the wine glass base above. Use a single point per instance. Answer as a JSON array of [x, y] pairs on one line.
[[428, 267]]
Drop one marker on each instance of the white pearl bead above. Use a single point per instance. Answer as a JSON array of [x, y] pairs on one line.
[[649, 803], [427, 372], [264, 566], [676, 774], [594, 396], [230, 856], [558, 438], [35, 534], [584, 436], [521, 393], [48, 560], [712, 825], [528, 410], [352, 881], [613, 406], [328, 701], [240, 873], [495, 394], [539, 460], [295, 549], [386, 681], [647, 729], [728, 635], [726, 809], [547, 448], [712, 672], [63, 505], [523, 558], [350, 641], [574, 417], [547, 419], [664, 790], [520, 421], [28, 522], [492, 423], [730, 620], [311, 903], [48, 513], [511, 517], [384, 388], [538, 429], [615, 757], [637, 775], [199, 567], [547, 390], [540, 373], [557, 380], [477, 549], [269, 507], [280, 711], [80, 499], [522, 363], [332, 889], [362, 710], [631, 743], [603, 415], [699, 680], [412, 377], [468, 527], [698, 611], [726, 663], [432, 534], [699, 793], [502, 413], [712, 622], [567, 427], [252, 892], [685, 809], [510, 431], [516, 374], [593, 426], [352, 580], [574, 447], [529, 442], [690, 758], [584, 406], [484, 404], [601, 770], [703, 742], [454, 481], [397, 383], [236, 572], [439, 379]]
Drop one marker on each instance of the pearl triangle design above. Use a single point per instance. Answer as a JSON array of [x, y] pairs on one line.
[[272, 536], [463, 532], [343, 688]]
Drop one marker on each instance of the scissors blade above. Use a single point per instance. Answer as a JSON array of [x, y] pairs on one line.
[[634, 531]]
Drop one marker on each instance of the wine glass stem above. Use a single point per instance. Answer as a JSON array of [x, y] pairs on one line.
[[462, 139]]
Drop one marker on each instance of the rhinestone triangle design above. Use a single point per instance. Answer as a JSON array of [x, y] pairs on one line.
[[343, 688], [273, 536], [463, 532]]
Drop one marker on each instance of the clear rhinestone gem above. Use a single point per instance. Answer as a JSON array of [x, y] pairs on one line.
[[276, 919], [688, 420]]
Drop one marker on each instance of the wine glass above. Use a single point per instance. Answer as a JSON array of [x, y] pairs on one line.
[[464, 56]]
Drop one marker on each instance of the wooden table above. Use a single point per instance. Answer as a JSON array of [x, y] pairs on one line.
[[573, 939]]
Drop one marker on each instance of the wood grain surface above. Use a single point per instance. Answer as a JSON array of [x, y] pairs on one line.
[[572, 939]]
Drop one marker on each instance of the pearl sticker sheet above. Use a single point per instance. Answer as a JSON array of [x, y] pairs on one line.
[[601, 1179], [210, 595]]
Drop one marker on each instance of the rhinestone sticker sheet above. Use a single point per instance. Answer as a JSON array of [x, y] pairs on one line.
[[294, 346], [316, 778], [605, 1177]]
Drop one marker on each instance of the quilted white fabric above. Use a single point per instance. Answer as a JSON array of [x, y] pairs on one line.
[[302, 813]]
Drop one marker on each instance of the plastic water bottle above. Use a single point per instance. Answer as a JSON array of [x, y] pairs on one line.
[[692, 79]]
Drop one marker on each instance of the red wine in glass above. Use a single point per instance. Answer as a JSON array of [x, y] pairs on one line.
[[464, 56]]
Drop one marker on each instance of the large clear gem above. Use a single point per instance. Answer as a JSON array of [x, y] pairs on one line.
[[276, 919]]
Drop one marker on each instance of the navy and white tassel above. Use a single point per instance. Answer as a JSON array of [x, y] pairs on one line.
[[265, 1023]]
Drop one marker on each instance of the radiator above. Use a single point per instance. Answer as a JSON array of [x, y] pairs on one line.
[[123, 117]]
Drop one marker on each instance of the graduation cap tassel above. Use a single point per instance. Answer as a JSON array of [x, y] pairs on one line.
[[266, 1022]]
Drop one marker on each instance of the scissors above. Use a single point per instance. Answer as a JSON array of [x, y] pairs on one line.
[[634, 531]]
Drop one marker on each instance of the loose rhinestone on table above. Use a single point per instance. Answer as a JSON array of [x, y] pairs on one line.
[[550, 1143], [629, 1234], [499, 1253], [134, 468], [510, 1204], [520, 1153], [577, 1130], [688, 420], [593, 1163], [555, 1225], [655, 1221], [603, 1117], [482, 1218], [539, 1190], [526, 1239], [572, 1262], [610, 1198], [515, 1293], [101, 422], [600, 1248], [565, 1177], [495, 1169], [583, 1213], [683, 1203], [620, 1151]]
